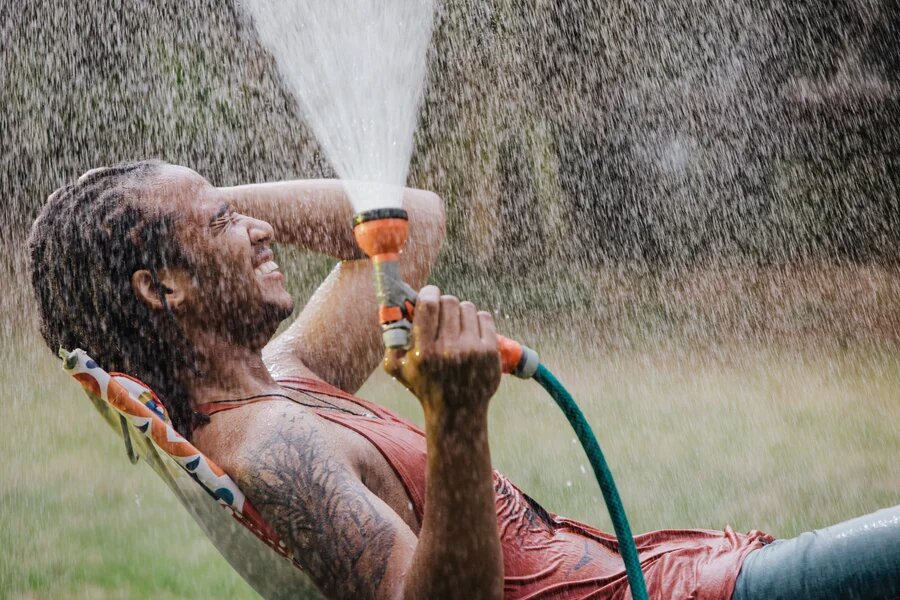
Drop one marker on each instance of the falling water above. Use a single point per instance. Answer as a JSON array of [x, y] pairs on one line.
[[357, 70], [689, 207]]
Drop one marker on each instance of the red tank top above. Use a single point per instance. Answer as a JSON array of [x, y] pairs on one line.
[[544, 555]]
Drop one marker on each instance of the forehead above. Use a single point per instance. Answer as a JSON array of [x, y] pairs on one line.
[[181, 191]]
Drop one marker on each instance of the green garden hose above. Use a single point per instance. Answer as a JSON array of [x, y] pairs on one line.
[[381, 234], [604, 477]]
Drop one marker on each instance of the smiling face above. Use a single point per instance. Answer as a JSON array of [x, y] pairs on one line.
[[233, 286]]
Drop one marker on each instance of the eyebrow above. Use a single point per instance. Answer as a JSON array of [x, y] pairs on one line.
[[220, 211]]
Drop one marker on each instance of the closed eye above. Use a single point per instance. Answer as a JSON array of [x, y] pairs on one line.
[[221, 222]]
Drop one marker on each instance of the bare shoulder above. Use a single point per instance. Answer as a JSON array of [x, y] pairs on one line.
[[278, 435], [281, 358], [308, 492]]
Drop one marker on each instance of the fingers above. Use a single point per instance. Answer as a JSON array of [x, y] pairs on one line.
[[425, 325], [444, 319], [450, 324], [468, 321], [488, 331]]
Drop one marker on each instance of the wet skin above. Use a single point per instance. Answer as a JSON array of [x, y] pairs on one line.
[[326, 490], [228, 247]]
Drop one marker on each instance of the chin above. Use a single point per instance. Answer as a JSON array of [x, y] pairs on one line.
[[280, 301], [280, 309]]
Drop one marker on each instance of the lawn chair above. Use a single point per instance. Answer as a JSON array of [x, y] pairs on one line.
[[220, 509]]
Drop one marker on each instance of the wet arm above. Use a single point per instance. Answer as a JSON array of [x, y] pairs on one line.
[[337, 335], [352, 544], [316, 214]]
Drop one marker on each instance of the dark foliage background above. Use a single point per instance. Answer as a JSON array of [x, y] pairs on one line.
[[565, 136]]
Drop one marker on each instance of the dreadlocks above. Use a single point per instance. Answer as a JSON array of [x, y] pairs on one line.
[[88, 240]]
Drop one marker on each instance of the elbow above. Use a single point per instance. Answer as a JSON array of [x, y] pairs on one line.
[[426, 204], [439, 217], [427, 230], [428, 219]]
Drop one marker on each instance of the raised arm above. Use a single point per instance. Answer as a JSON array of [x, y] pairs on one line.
[[351, 543], [337, 335]]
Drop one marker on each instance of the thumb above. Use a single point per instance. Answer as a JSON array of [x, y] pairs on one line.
[[393, 361]]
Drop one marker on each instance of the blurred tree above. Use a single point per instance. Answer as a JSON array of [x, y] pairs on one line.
[[660, 133]]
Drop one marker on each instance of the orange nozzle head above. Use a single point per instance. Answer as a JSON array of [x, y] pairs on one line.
[[510, 353], [381, 233]]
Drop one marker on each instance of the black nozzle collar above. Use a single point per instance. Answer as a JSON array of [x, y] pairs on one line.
[[379, 213]]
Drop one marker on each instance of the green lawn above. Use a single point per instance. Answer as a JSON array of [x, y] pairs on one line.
[[778, 439]]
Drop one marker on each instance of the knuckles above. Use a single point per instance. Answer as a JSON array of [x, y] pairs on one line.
[[427, 306], [449, 303], [467, 364], [476, 355]]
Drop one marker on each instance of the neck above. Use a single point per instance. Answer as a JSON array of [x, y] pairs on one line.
[[227, 370]]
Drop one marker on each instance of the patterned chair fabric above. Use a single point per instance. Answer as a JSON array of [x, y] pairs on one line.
[[208, 493]]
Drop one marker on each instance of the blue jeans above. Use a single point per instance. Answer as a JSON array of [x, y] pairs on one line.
[[859, 558]]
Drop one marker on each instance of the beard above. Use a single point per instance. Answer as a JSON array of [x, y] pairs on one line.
[[239, 310]]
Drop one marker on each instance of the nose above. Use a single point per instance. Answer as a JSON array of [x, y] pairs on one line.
[[261, 232]]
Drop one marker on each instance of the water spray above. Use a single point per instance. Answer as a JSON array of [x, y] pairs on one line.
[[381, 234]]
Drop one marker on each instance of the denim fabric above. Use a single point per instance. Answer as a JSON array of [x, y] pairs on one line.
[[859, 558]]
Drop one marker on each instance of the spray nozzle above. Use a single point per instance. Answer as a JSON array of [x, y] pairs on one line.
[[381, 234]]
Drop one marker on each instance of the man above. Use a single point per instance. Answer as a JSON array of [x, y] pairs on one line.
[[183, 275]]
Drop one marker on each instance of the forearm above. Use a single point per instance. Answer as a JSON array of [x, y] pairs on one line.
[[316, 214], [458, 554]]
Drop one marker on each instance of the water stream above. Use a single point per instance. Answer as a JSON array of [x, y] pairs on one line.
[[690, 208], [357, 70]]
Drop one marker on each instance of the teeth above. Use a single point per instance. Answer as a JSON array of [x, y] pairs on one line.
[[266, 268]]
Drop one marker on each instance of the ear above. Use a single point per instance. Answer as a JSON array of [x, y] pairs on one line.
[[174, 283]]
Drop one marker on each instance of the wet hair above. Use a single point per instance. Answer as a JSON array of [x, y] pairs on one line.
[[88, 240]]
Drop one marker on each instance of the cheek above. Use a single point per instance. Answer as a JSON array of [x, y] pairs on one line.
[[217, 285], [236, 248], [225, 256]]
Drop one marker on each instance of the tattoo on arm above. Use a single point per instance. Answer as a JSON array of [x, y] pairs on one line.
[[320, 509]]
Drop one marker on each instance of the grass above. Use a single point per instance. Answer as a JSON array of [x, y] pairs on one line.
[[781, 439]]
